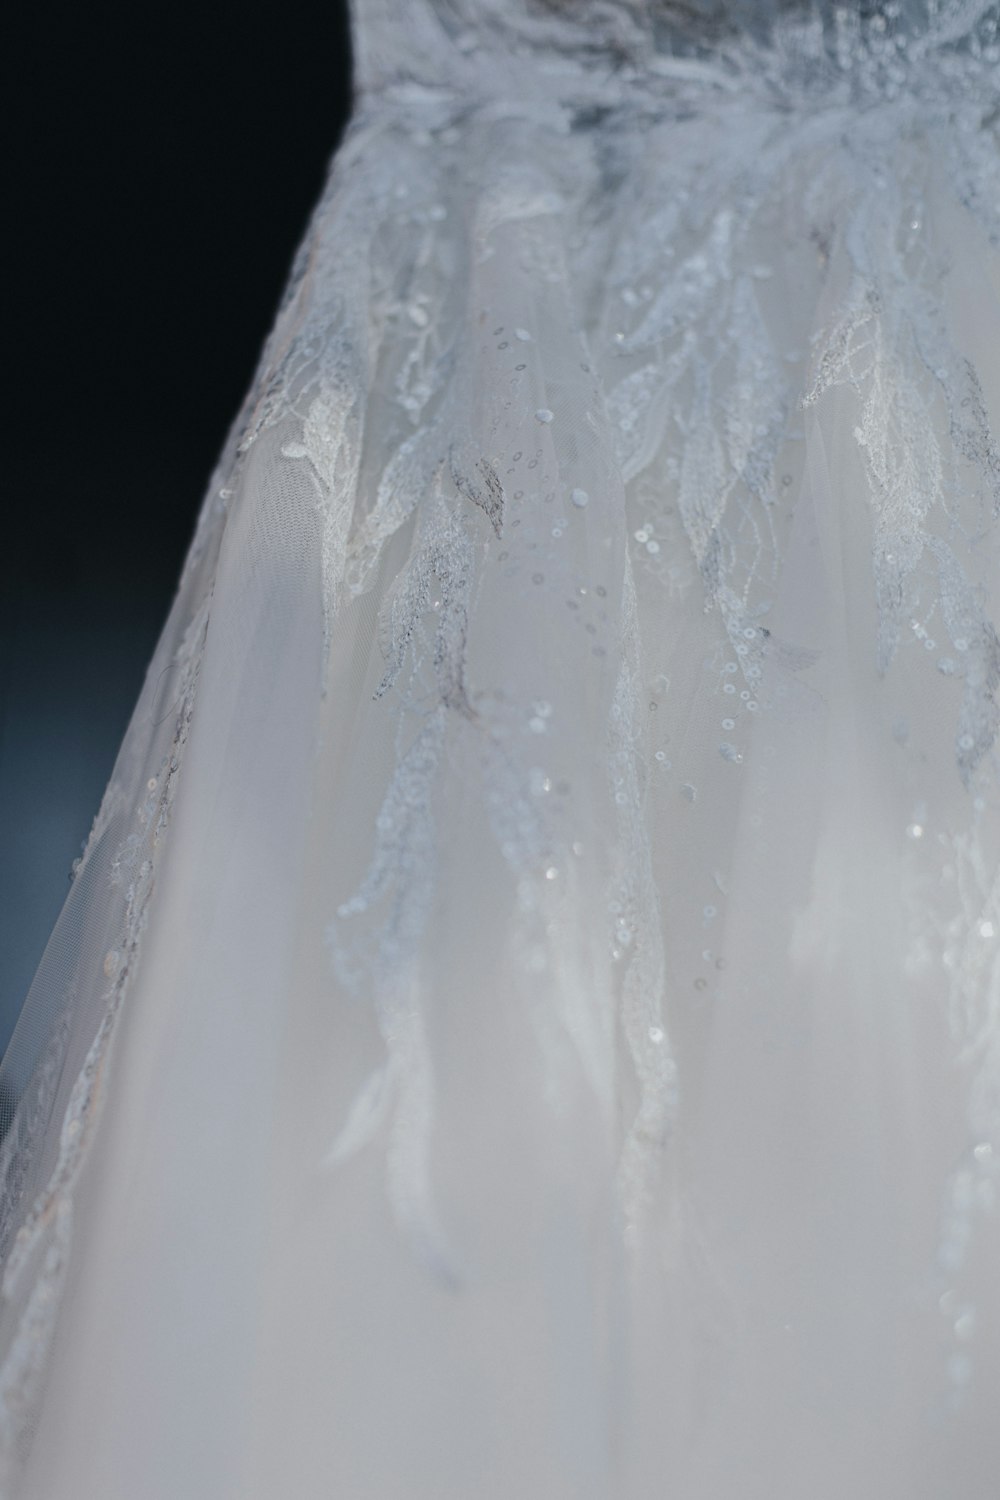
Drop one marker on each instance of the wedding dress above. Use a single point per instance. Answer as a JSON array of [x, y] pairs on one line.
[[526, 1022]]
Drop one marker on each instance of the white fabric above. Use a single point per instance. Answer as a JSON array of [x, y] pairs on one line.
[[527, 1020]]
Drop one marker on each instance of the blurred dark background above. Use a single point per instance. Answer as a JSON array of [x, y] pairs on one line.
[[161, 172]]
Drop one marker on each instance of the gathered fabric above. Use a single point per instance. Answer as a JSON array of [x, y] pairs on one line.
[[526, 1022]]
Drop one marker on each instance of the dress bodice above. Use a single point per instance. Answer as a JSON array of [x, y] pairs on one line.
[[600, 49]]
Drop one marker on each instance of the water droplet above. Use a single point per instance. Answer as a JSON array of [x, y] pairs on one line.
[[543, 414], [580, 498], [523, 335], [965, 1324]]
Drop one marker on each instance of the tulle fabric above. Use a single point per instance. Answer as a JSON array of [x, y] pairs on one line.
[[525, 1023]]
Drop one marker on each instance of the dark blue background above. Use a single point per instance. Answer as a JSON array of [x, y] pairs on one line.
[[161, 171]]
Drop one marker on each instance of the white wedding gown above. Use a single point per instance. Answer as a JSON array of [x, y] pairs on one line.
[[526, 1025]]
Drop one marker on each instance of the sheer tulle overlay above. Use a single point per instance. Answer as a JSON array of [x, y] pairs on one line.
[[527, 1020]]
